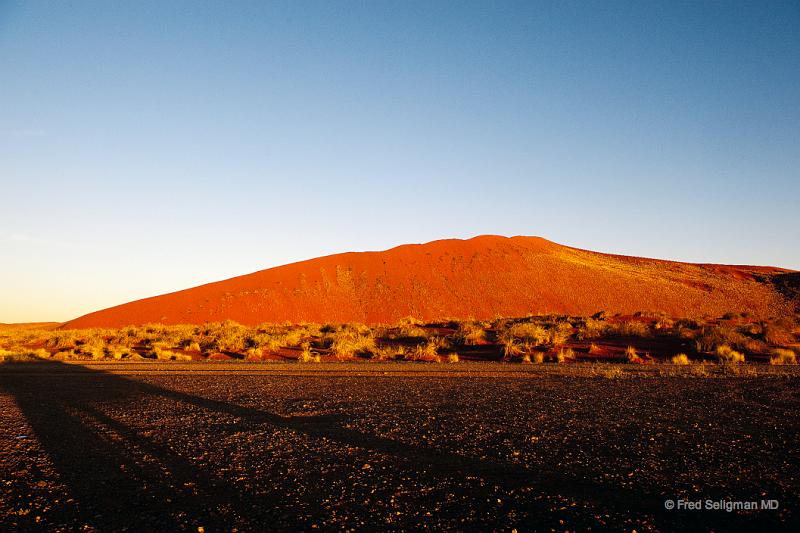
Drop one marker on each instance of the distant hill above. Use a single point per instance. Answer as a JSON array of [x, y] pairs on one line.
[[483, 277]]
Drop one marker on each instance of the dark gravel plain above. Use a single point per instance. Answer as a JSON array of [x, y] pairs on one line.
[[392, 447]]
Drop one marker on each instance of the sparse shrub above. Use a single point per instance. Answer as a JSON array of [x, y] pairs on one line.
[[564, 355], [512, 348], [452, 358], [537, 357], [115, 351], [397, 352], [715, 336], [726, 354], [22, 355], [782, 356], [560, 333], [307, 356], [592, 329], [632, 356], [594, 349], [527, 332], [471, 333], [348, 343], [412, 331], [430, 349], [680, 359], [633, 328]]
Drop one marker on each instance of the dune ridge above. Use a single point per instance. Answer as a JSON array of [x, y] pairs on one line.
[[482, 277]]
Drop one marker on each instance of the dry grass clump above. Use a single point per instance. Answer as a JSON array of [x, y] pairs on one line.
[[564, 355], [430, 349], [471, 333], [529, 332], [307, 355], [632, 356], [632, 328], [592, 328], [22, 355], [782, 356], [727, 355], [452, 358], [680, 359], [353, 342]]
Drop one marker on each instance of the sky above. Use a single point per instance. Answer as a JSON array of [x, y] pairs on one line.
[[147, 147]]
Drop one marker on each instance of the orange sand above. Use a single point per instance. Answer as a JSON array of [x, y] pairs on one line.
[[481, 278]]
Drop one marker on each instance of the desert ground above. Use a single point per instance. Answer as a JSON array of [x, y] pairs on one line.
[[398, 446], [534, 423]]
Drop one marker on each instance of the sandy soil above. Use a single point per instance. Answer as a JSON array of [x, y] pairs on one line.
[[249, 447]]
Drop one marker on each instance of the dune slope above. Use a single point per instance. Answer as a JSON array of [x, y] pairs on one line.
[[483, 277]]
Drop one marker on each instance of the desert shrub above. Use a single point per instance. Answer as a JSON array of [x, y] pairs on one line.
[[680, 359], [91, 346], [308, 356], [633, 328], [410, 328], [527, 332], [715, 336], [452, 358], [782, 356], [532, 357], [254, 353], [512, 348], [62, 340], [594, 349], [228, 336], [431, 348], [726, 354], [117, 351], [663, 323], [391, 352], [22, 355], [592, 329], [291, 337], [565, 354], [632, 356], [349, 343], [162, 354], [470, 333]]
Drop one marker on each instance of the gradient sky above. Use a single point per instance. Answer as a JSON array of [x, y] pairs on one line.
[[147, 147]]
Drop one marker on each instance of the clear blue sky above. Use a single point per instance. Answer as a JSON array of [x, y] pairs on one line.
[[147, 147]]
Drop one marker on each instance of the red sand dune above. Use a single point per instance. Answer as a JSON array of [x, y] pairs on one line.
[[483, 277]]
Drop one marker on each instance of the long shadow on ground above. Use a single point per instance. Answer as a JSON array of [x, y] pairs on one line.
[[123, 479]]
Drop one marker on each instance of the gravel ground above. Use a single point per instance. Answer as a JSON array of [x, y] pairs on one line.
[[479, 448]]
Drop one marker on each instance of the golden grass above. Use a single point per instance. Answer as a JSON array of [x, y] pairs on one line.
[[782, 356], [727, 355], [524, 340], [680, 359]]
